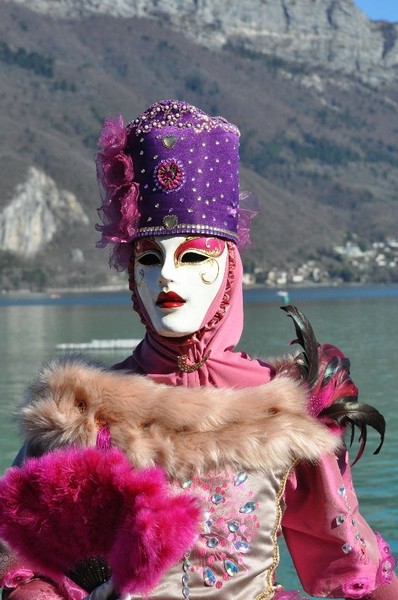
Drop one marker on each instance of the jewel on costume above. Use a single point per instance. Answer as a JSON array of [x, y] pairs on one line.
[[217, 498], [241, 547], [340, 519], [170, 221], [240, 478], [248, 508], [169, 141], [185, 578], [169, 175], [230, 567], [209, 577], [233, 526], [187, 367]]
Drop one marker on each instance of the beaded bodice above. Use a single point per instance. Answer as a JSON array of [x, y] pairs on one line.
[[236, 553]]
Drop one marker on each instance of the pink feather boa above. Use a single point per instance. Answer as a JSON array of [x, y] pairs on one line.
[[73, 504]]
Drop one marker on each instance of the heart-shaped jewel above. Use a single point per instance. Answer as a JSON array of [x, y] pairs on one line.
[[170, 221], [169, 141]]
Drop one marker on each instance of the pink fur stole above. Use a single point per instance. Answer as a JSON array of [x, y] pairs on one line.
[[73, 504], [184, 430]]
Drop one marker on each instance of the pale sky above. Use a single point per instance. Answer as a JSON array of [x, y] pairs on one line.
[[379, 9]]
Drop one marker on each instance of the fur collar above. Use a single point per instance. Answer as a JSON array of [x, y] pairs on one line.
[[185, 430]]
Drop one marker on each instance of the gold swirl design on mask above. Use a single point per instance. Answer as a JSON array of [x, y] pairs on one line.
[[208, 281], [217, 250], [187, 367]]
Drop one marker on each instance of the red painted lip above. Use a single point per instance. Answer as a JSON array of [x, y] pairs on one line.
[[169, 300]]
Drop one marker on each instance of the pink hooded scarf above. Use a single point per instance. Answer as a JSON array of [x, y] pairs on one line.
[[211, 349]]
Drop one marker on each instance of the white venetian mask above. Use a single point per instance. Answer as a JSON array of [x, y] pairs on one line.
[[177, 279]]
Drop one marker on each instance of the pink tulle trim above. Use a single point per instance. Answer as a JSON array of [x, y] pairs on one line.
[[248, 209], [115, 172], [359, 588], [112, 137], [387, 562], [16, 577]]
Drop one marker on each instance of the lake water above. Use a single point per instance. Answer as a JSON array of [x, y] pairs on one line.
[[363, 321]]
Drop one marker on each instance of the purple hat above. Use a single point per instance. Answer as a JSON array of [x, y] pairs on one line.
[[173, 170]]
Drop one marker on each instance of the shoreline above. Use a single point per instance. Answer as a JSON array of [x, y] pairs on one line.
[[120, 294], [120, 288]]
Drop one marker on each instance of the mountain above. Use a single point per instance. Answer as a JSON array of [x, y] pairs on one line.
[[321, 33], [312, 84]]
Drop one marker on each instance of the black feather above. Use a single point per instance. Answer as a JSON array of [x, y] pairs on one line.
[[337, 366], [308, 359], [348, 412]]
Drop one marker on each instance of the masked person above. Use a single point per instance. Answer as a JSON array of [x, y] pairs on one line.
[[175, 216]]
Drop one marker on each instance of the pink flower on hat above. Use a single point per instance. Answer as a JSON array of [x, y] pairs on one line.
[[115, 171], [113, 135]]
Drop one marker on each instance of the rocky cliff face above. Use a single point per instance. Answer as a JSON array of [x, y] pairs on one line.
[[328, 33], [35, 213]]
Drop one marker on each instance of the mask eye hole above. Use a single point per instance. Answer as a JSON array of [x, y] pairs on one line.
[[81, 405], [149, 259], [193, 257]]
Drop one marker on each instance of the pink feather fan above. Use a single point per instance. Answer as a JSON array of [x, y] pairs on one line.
[[74, 504]]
